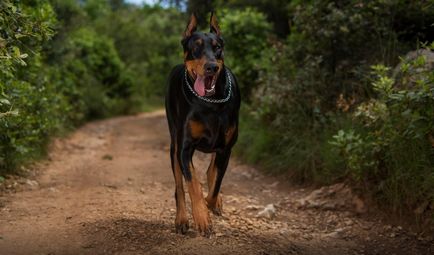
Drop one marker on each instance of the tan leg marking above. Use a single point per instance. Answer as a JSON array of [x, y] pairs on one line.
[[200, 211]]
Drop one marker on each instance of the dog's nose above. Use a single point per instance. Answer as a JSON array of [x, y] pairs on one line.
[[211, 68]]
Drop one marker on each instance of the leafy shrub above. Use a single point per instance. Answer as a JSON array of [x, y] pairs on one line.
[[245, 33], [93, 75], [23, 29], [39, 114], [27, 117], [148, 41], [395, 149], [311, 82], [45, 86]]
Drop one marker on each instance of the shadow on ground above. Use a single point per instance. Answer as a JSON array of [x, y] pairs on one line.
[[139, 236]]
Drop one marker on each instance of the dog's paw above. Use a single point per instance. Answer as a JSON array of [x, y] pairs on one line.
[[205, 230], [181, 226], [202, 220], [208, 232], [215, 205]]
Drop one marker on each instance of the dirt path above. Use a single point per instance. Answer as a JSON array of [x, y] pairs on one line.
[[108, 189]]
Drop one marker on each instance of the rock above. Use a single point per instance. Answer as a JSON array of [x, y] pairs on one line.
[[52, 189], [247, 175], [32, 183], [268, 212], [252, 207], [338, 233], [349, 222], [273, 185], [335, 197]]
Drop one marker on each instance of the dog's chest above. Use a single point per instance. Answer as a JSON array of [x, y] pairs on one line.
[[210, 132]]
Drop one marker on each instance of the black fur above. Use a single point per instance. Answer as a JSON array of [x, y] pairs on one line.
[[182, 106]]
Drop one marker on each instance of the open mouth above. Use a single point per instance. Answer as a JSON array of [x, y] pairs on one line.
[[204, 85]]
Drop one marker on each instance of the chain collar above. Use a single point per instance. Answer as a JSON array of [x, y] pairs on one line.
[[209, 100]]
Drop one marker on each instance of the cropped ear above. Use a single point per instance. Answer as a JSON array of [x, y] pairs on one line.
[[214, 26], [191, 27]]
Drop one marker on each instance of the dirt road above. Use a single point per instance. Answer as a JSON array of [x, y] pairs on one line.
[[108, 189]]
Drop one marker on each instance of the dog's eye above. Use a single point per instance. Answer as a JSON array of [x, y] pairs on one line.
[[197, 51], [217, 47]]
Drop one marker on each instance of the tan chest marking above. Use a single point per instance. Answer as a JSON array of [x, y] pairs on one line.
[[196, 128]]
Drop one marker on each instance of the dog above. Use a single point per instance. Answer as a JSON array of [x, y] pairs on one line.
[[202, 107]]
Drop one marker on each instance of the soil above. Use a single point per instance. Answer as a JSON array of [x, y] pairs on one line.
[[108, 189]]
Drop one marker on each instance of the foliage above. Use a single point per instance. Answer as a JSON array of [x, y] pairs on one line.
[[320, 104], [148, 41], [22, 31], [66, 62], [317, 117], [96, 78], [396, 149], [245, 33], [26, 117]]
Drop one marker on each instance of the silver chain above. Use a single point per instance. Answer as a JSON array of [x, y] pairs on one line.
[[215, 101]]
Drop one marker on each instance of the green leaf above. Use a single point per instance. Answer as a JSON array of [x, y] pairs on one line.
[[4, 101], [16, 51]]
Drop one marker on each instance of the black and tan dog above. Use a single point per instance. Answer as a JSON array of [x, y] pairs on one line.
[[202, 105]]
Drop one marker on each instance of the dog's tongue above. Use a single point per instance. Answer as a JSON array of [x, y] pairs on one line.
[[199, 85]]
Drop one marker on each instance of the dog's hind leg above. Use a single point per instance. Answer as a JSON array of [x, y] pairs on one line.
[[215, 205], [215, 174], [181, 221]]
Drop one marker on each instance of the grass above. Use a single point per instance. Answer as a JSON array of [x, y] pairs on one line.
[[299, 154]]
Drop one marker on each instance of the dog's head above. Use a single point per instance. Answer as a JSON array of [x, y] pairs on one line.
[[203, 55]]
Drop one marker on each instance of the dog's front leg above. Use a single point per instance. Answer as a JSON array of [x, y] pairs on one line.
[[199, 209], [181, 221]]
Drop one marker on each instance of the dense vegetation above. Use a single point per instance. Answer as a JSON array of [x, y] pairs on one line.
[[330, 91], [332, 106], [64, 62]]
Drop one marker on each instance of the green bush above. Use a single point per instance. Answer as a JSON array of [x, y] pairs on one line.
[[245, 33], [29, 107], [395, 150], [311, 82], [148, 40], [48, 86], [39, 114], [94, 75]]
